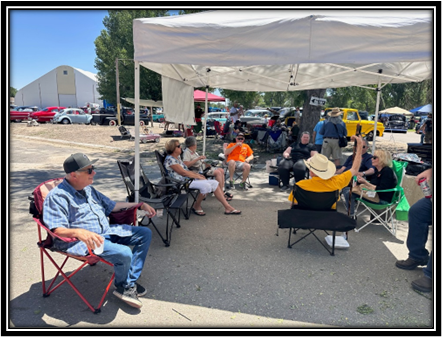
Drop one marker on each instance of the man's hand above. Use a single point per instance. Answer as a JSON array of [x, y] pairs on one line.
[[91, 239], [149, 210]]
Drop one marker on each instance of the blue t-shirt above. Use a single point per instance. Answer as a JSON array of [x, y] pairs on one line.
[[319, 138]]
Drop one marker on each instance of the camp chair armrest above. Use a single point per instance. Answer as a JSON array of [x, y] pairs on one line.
[[51, 233], [389, 190]]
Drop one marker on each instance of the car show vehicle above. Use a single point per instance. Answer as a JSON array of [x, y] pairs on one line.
[[21, 113], [217, 116], [255, 117], [351, 118], [109, 117], [395, 122], [72, 116], [46, 114]]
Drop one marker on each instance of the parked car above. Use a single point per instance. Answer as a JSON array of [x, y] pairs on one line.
[[109, 117], [47, 114], [395, 122], [255, 116], [158, 117], [72, 116], [218, 116], [21, 113]]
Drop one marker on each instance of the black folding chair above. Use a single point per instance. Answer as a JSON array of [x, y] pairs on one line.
[[313, 212], [160, 196], [183, 186], [125, 132]]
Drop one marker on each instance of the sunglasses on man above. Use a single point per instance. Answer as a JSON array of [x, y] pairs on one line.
[[239, 138], [88, 170]]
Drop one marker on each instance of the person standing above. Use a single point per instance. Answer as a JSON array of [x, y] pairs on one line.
[[198, 115], [419, 221], [234, 112], [317, 138], [331, 130], [427, 130]]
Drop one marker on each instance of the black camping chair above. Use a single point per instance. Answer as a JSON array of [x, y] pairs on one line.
[[183, 186], [125, 132], [160, 196], [313, 212]]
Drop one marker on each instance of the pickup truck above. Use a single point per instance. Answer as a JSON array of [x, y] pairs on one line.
[[109, 117], [351, 118]]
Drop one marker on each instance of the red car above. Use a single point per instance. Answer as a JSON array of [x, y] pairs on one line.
[[46, 114], [21, 113]]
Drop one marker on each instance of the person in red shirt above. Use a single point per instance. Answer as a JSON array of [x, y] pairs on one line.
[[239, 156]]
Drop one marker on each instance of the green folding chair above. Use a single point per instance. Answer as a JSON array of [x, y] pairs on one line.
[[385, 213]]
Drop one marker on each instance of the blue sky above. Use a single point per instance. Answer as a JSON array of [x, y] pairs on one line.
[[41, 40]]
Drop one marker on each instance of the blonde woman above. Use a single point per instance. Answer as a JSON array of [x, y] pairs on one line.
[[178, 170], [384, 178]]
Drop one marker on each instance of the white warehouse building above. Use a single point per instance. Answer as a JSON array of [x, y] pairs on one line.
[[62, 86]]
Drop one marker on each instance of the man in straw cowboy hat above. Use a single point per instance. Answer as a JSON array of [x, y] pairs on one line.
[[332, 129], [322, 172]]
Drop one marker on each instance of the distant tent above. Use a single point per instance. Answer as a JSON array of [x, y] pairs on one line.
[[425, 109], [200, 96]]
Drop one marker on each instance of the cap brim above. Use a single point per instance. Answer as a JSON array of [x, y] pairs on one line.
[[91, 162]]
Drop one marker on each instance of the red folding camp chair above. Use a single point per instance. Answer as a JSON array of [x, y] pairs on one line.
[[47, 248]]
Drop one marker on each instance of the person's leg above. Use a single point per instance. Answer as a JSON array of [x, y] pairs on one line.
[[346, 194], [419, 220], [245, 171], [299, 170], [284, 168], [231, 167], [219, 176]]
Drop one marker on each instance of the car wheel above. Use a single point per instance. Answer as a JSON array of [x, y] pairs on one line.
[[92, 123], [142, 123], [112, 123], [17, 120], [157, 140], [65, 121]]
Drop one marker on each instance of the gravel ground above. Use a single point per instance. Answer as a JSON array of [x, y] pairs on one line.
[[108, 136]]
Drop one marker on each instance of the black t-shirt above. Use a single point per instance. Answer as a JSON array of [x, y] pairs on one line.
[[301, 151], [428, 125], [198, 112], [385, 179]]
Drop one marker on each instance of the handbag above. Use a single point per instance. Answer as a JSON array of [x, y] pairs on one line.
[[342, 139], [357, 189]]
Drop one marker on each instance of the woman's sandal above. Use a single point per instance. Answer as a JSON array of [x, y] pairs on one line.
[[234, 212], [198, 212], [228, 196]]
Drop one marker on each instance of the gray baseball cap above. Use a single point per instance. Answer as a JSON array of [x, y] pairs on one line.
[[76, 162]]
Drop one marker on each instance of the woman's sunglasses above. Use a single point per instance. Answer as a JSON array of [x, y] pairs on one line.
[[375, 157]]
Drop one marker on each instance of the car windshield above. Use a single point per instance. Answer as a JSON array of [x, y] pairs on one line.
[[397, 117]]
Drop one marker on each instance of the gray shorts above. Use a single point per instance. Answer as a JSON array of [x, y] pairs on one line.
[[331, 147]]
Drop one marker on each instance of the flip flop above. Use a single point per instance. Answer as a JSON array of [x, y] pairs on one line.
[[234, 212], [198, 212], [228, 198]]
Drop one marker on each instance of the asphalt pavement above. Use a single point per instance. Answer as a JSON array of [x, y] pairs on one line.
[[220, 271]]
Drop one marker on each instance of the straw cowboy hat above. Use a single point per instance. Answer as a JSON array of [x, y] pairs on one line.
[[321, 166], [335, 112]]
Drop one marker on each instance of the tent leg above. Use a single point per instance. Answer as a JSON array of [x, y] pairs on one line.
[[378, 98], [137, 130]]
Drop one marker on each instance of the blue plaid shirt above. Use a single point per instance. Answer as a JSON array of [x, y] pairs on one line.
[[88, 209]]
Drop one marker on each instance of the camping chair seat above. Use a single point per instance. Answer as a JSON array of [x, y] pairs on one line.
[[125, 132], [313, 212], [48, 250], [166, 197], [386, 216]]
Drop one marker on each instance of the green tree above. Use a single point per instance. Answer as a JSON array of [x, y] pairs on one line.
[[116, 41], [245, 98], [12, 91]]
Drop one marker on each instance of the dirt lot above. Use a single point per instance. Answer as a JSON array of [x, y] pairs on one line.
[[109, 138]]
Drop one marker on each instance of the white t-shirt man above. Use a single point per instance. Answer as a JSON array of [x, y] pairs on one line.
[[234, 113]]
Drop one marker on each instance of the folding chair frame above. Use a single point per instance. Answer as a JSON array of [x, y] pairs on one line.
[[46, 245]]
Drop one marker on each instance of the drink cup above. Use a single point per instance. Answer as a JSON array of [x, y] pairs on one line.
[[99, 249]]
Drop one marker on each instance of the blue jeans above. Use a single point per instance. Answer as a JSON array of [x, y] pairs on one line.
[[128, 263], [419, 221]]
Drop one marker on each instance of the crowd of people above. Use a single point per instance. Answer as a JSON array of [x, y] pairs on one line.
[[75, 209]]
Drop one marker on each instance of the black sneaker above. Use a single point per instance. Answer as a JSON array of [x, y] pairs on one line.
[[284, 188], [129, 296], [231, 185], [141, 291], [423, 284]]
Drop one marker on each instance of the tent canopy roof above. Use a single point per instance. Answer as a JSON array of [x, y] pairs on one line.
[[144, 102], [423, 109], [200, 96], [396, 110], [287, 50]]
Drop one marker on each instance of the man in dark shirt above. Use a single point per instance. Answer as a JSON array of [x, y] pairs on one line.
[[366, 169], [293, 160], [331, 130], [198, 115]]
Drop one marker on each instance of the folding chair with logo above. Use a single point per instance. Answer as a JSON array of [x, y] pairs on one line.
[[48, 251], [384, 213], [314, 212], [166, 197]]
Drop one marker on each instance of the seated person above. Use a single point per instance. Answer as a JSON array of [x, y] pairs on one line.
[[383, 179], [323, 174], [178, 170], [74, 209], [195, 163], [278, 126], [239, 156], [237, 128], [366, 169], [293, 160]]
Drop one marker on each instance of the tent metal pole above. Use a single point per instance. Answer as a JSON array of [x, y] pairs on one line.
[[137, 129], [205, 122], [378, 98]]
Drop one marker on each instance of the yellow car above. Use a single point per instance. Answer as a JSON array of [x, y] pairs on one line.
[[351, 119]]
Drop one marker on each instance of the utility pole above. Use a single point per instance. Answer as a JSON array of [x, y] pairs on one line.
[[118, 92]]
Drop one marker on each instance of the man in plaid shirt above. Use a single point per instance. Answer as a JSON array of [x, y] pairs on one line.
[[74, 209]]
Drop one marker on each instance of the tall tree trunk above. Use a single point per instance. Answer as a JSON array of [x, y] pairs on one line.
[[311, 113]]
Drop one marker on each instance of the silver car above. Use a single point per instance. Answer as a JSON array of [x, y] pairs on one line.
[[255, 116], [72, 116]]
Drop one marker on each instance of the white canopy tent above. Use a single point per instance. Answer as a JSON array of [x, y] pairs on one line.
[[396, 110], [286, 50]]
